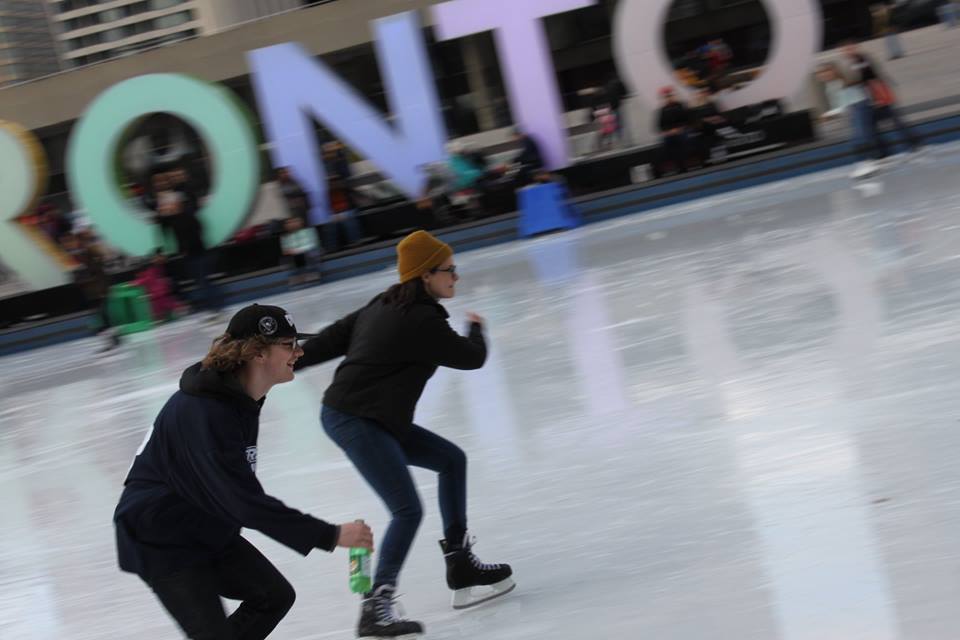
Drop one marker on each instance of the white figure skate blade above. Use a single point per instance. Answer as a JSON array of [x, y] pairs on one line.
[[864, 170], [472, 596]]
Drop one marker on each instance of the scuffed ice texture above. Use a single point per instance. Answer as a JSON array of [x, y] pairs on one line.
[[735, 418]]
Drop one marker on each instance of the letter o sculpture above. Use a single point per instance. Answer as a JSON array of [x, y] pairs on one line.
[[796, 35]]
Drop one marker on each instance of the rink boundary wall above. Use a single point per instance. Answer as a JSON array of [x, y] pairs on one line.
[[635, 199]]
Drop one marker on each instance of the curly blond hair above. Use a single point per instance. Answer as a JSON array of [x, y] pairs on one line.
[[228, 354]]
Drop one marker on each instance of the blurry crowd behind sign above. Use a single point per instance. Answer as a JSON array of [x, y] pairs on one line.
[[293, 88]]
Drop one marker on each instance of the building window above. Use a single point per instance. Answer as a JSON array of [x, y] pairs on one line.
[[173, 20], [112, 15], [156, 5], [73, 5]]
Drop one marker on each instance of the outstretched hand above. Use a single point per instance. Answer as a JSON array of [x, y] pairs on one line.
[[472, 317]]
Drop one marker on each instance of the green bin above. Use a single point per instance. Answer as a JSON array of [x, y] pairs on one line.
[[129, 309]]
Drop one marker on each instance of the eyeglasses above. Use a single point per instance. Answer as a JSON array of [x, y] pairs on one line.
[[452, 270], [293, 345]]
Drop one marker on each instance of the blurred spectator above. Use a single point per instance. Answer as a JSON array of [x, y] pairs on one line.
[[673, 124], [614, 93], [343, 216], [300, 246], [434, 204], [880, 105], [177, 205], [298, 202], [607, 126], [530, 160], [463, 167], [840, 94], [713, 128], [949, 13], [94, 283], [884, 27], [718, 57], [335, 160], [159, 287], [54, 223], [182, 184]]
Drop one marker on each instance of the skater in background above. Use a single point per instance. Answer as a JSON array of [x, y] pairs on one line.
[[302, 249], [847, 97], [159, 288], [94, 282], [297, 200], [606, 120], [882, 100], [392, 347], [673, 124], [193, 486], [883, 26]]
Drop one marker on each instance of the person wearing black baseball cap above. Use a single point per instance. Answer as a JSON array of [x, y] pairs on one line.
[[192, 487]]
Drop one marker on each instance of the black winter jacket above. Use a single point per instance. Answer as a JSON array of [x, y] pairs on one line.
[[390, 355], [671, 116], [192, 485]]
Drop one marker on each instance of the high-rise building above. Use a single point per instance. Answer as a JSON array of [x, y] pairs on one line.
[[27, 48], [95, 30]]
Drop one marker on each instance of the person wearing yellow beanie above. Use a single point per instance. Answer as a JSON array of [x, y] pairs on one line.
[[393, 346], [420, 252]]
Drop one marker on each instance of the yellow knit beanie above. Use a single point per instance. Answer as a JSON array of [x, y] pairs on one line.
[[418, 253]]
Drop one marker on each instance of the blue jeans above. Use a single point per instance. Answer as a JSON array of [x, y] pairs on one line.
[[892, 42], [382, 460], [206, 294], [864, 126], [350, 225]]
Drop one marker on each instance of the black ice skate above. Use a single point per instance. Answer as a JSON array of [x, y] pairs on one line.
[[473, 581], [379, 618]]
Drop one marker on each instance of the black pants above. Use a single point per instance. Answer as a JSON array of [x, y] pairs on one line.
[[206, 294], [889, 113], [674, 150], [103, 313], [192, 596]]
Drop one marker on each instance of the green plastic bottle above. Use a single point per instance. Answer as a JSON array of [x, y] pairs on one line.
[[360, 581]]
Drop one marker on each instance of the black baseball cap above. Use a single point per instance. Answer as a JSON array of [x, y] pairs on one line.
[[264, 320]]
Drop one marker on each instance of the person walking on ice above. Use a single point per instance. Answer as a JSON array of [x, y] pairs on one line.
[[393, 346], [192, 486]]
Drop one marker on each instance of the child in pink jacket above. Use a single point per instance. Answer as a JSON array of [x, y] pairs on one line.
[[158, 287]]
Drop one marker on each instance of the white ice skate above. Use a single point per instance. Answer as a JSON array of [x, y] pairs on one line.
[[473, 582], [865, 170]]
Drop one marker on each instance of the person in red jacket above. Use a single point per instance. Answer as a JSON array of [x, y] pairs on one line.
[[192, 487], [393, 346]]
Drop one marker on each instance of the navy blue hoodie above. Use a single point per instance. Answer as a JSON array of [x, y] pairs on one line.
[[192, 485]]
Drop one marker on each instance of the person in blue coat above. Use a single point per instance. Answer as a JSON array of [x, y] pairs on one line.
[[192, 488]]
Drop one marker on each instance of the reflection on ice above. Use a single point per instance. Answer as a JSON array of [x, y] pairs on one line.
[[735, 418]]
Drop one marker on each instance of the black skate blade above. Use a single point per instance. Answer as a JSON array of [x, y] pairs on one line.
[[502, 588]]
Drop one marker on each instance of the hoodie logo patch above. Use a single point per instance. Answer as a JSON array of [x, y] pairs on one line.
[[252, 458]]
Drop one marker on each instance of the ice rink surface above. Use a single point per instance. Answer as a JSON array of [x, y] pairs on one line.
[[732, 418]]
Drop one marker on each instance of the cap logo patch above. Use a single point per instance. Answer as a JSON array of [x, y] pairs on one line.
[[268, 326]]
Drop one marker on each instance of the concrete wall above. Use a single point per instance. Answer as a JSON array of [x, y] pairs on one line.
[[221, 56]]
